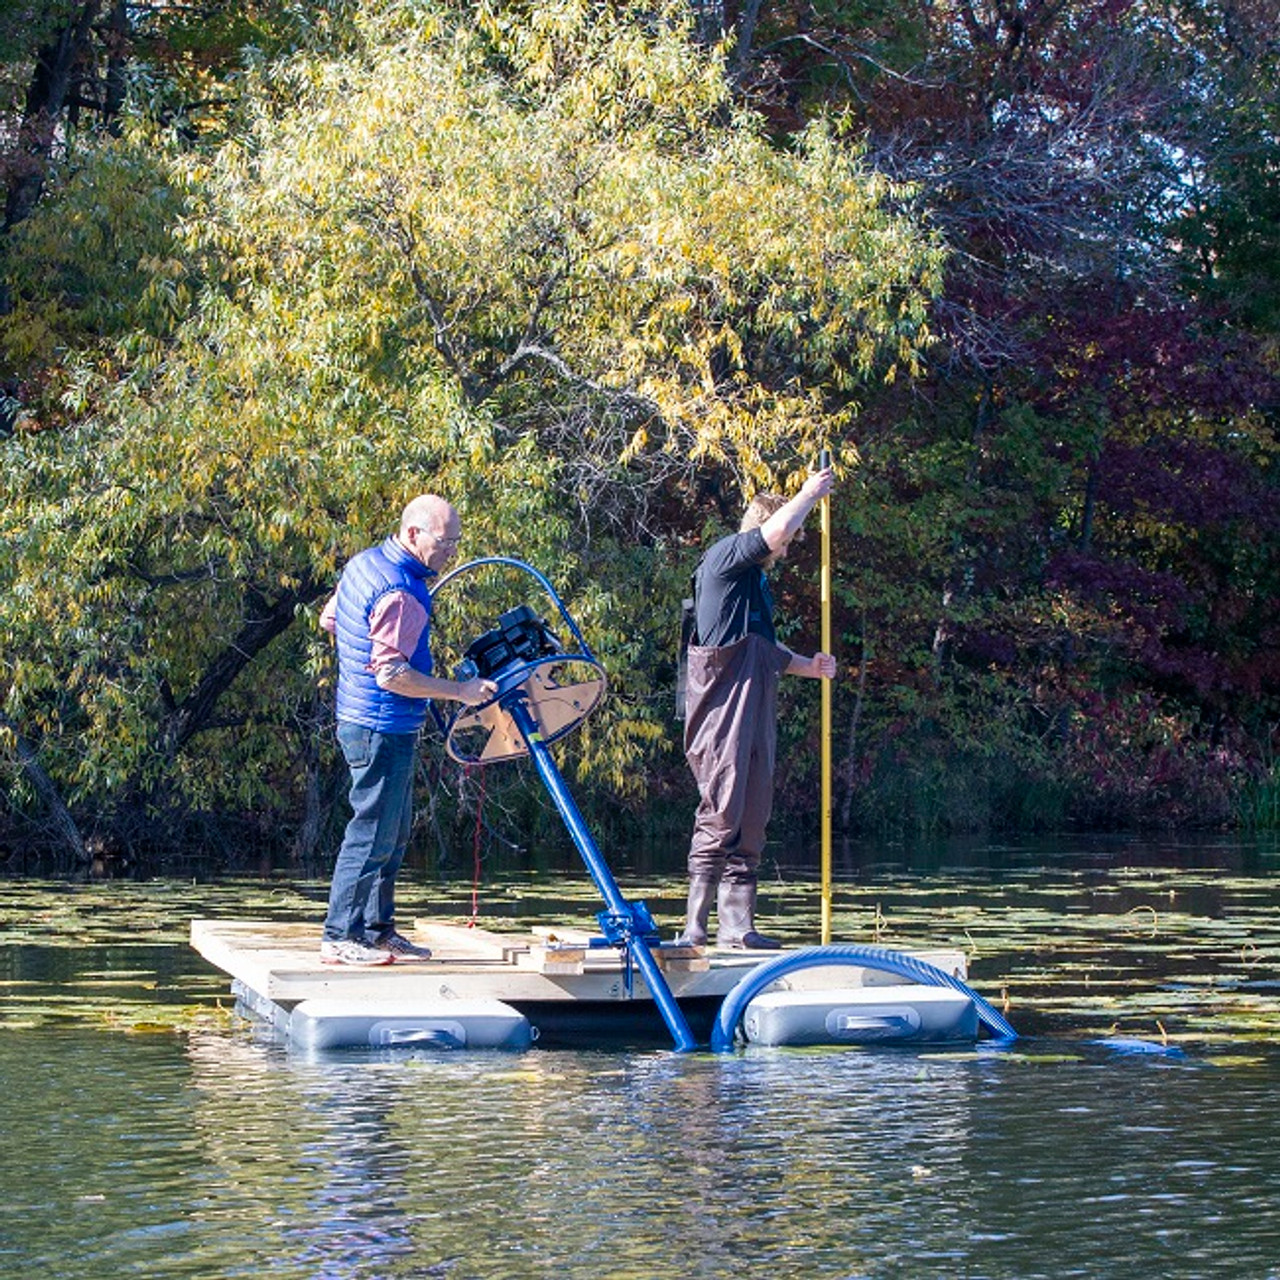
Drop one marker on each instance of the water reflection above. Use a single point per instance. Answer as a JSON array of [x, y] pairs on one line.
[[572, 1163], [312, 1160], [220, 1155]]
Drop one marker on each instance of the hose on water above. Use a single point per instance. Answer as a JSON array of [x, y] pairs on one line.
[[866, 957]]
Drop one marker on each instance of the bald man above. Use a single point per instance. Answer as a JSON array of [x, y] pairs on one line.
[[381, 618]]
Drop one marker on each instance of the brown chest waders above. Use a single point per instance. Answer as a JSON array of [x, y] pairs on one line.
[[730, 740]]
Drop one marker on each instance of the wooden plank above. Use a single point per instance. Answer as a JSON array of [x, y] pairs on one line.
[[463, 941], [281, 963], [560, 936], [563, 946], [559, 959], [254, 950]]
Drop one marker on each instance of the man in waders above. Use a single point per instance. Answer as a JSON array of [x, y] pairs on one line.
[[731, 726]]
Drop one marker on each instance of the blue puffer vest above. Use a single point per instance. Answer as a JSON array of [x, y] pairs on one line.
[[366, 579]]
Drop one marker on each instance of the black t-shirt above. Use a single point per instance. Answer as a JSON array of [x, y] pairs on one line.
[[731, 593]]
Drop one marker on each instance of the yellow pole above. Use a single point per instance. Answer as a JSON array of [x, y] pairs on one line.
[[824, 460]]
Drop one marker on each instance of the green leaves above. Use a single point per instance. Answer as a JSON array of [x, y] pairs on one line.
[[534, 261]]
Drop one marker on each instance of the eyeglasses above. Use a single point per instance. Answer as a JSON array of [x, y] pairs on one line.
[[439, 542]]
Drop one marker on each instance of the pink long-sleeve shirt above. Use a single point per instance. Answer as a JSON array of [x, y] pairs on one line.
[[395, 627]]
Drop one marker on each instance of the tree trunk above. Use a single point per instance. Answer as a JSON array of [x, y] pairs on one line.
[[116, 85], [306, 840], [745, 33], [957, 578], [63, 824], [708, 19], [263, 622], [851, 746], [46, 102], [1090, 502]]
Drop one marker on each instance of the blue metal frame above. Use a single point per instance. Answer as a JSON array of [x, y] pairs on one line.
[[627, 926]]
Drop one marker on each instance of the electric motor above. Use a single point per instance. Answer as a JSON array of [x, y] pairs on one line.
[[520, 636]]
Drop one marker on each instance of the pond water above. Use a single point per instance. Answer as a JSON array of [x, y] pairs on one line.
[[1132, 1131]]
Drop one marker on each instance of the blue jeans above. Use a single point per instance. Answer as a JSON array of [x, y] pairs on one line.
[[362, 895]]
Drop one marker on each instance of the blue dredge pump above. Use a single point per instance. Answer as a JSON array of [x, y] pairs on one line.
[[546, 690]]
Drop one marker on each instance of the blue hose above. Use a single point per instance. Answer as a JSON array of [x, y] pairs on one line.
[[882, 958]]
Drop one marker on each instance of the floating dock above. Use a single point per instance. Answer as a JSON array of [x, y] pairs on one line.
[[483, 989]]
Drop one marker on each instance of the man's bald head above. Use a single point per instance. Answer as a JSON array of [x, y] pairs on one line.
[[428, 511], [430, 528]]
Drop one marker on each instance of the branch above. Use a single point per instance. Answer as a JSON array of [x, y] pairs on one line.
[[627, 400], [862, 55], [64, 824], [195, 713]]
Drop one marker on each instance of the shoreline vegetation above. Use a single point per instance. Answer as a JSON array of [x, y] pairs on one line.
[[599, 273]]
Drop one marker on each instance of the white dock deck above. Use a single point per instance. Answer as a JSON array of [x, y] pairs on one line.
[[280, 962]]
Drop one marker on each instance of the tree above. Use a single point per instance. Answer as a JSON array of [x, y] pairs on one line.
[[1045, 553], [541, 266], [68, 69]]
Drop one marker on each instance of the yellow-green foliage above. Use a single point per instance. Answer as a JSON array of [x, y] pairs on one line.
[[100, 260], [540, 264]]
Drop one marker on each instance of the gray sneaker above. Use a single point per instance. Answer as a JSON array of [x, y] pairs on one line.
[[350, 952], [400, 949]]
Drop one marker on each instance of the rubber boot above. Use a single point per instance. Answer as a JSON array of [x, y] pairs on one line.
[[702, 893], [736, 910]]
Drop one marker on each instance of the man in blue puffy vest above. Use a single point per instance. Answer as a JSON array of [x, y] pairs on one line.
[[381, 618]]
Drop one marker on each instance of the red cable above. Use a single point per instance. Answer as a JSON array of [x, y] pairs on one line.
[[475, 852]]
